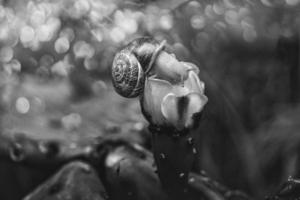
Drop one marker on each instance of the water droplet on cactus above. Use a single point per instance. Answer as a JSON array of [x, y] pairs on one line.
[[194, 150], [181, 175], [190, 141], [16, 152], [162, 156], [191, 180]]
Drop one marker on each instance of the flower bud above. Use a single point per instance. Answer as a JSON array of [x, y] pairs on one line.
[[174, 93]]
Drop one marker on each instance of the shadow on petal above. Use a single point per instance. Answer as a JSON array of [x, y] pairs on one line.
[[195, 105], [179, 111]]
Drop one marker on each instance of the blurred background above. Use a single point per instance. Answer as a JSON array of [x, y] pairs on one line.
[[55, 58]]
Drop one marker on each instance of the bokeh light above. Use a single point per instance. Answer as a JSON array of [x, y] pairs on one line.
[[27, 34], [83, 49], [197, 22], [22, 105], [6, 54], [62, 45]]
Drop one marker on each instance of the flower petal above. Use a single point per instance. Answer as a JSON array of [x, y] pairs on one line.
[[169, 109], [191, 84], [195, 105], [194, 84], [180, 90], [155, 90], [179, 111], [191, 66], [169, 68]]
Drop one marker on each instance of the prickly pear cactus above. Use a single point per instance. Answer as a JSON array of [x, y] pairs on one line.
[[172, 100], [175, 155]]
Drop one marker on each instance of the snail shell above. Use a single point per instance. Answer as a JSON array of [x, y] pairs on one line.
[[128, 75], [132, 65]]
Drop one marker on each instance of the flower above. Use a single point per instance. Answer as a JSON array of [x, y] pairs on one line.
[[173, 93]]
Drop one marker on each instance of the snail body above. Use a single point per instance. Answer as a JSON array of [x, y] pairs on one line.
[[132, 65]]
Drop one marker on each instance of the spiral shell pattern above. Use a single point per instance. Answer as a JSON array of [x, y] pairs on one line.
[[127, 75], [132, 64]]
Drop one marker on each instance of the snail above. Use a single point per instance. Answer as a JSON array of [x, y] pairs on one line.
[[132, 65]]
